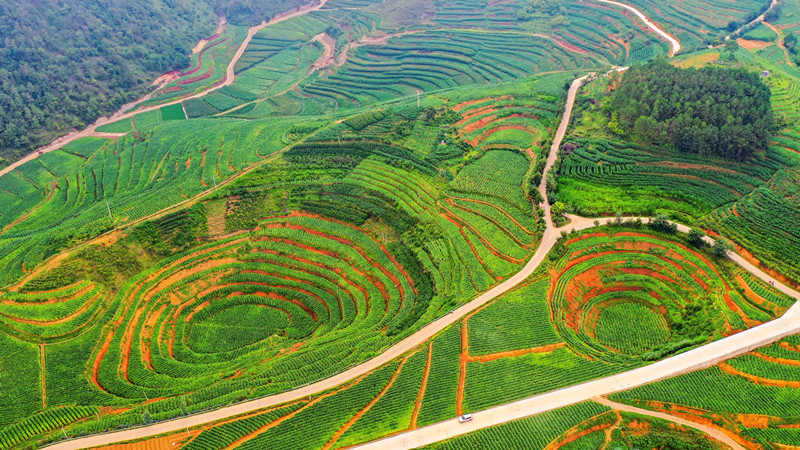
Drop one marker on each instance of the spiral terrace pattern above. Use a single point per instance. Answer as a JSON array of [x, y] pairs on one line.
[[320, 281], [652, 278]]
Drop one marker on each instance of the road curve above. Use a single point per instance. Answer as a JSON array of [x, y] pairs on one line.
[[692, 360], [695, 359], [754, 21], [674, 42], [549, 239], [715, 433], [229, 78]]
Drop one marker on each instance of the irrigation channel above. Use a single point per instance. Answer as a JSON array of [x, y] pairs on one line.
[[699, 358]]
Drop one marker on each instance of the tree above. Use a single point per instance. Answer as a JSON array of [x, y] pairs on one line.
[[790, 42], [696, 237], [721, 248], [712, 111], [661, 223], [731, 47], [558, 209]]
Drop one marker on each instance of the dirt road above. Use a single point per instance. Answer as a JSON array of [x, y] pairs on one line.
[[781, 43], [711, 431], [752, 22], [695, 359], [675, 43], [409, 343], [230, 76], [698, 358]]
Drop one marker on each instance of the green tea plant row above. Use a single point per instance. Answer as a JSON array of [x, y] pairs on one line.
[[470, 13], [602, 272], [593, 28], [329, 277], [397, 68], [497, 173], [749, 384], [41, 423], [130, 177], [208, 67], [766, 222], [43, 321], [391, 410], [629, 166], [695, 23], [518, 321]]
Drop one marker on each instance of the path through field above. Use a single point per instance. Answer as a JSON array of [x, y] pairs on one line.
[[229, 78], [781, 43], [695, 359], [752, 22], [698, 358], [711, 431]]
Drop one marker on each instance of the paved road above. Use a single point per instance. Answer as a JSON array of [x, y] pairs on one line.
[[702, 357], [675, 43], [230, 76], [696, 359], [409, 343]]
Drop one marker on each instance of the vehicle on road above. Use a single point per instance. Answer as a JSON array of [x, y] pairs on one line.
[[464, 418]]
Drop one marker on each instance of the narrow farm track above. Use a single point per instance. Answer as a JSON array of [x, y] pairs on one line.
[[698, 358], [711, 431], [781, 43], [230, 76], [415, 340], [752, 22]]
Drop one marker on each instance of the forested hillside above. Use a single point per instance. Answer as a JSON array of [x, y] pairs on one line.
[[710, 111], [64, 64]]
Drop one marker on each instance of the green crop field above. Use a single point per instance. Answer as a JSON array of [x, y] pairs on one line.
[[752, 395], [371, 169], [698, 22]]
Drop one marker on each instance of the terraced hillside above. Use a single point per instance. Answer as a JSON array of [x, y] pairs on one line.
[[372, 171], [328, 60], [76, 193], [348, 241], [700, 22], [750, 397], [482, 361]]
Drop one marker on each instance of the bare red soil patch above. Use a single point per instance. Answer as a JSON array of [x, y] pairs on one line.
[[727, 368], [422, 387]]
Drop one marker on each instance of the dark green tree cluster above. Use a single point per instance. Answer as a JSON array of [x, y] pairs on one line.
[[716, 112], [792, 44], [772, 14], [541, 8], [252, 12], [63, 64]]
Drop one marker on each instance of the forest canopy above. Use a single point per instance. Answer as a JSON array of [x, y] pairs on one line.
[[63, 64], [710, 111]]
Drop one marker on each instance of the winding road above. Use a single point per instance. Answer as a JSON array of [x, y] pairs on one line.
[[695, 359], [698, 358], [675, 43], [752, 22], [230, 76]]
